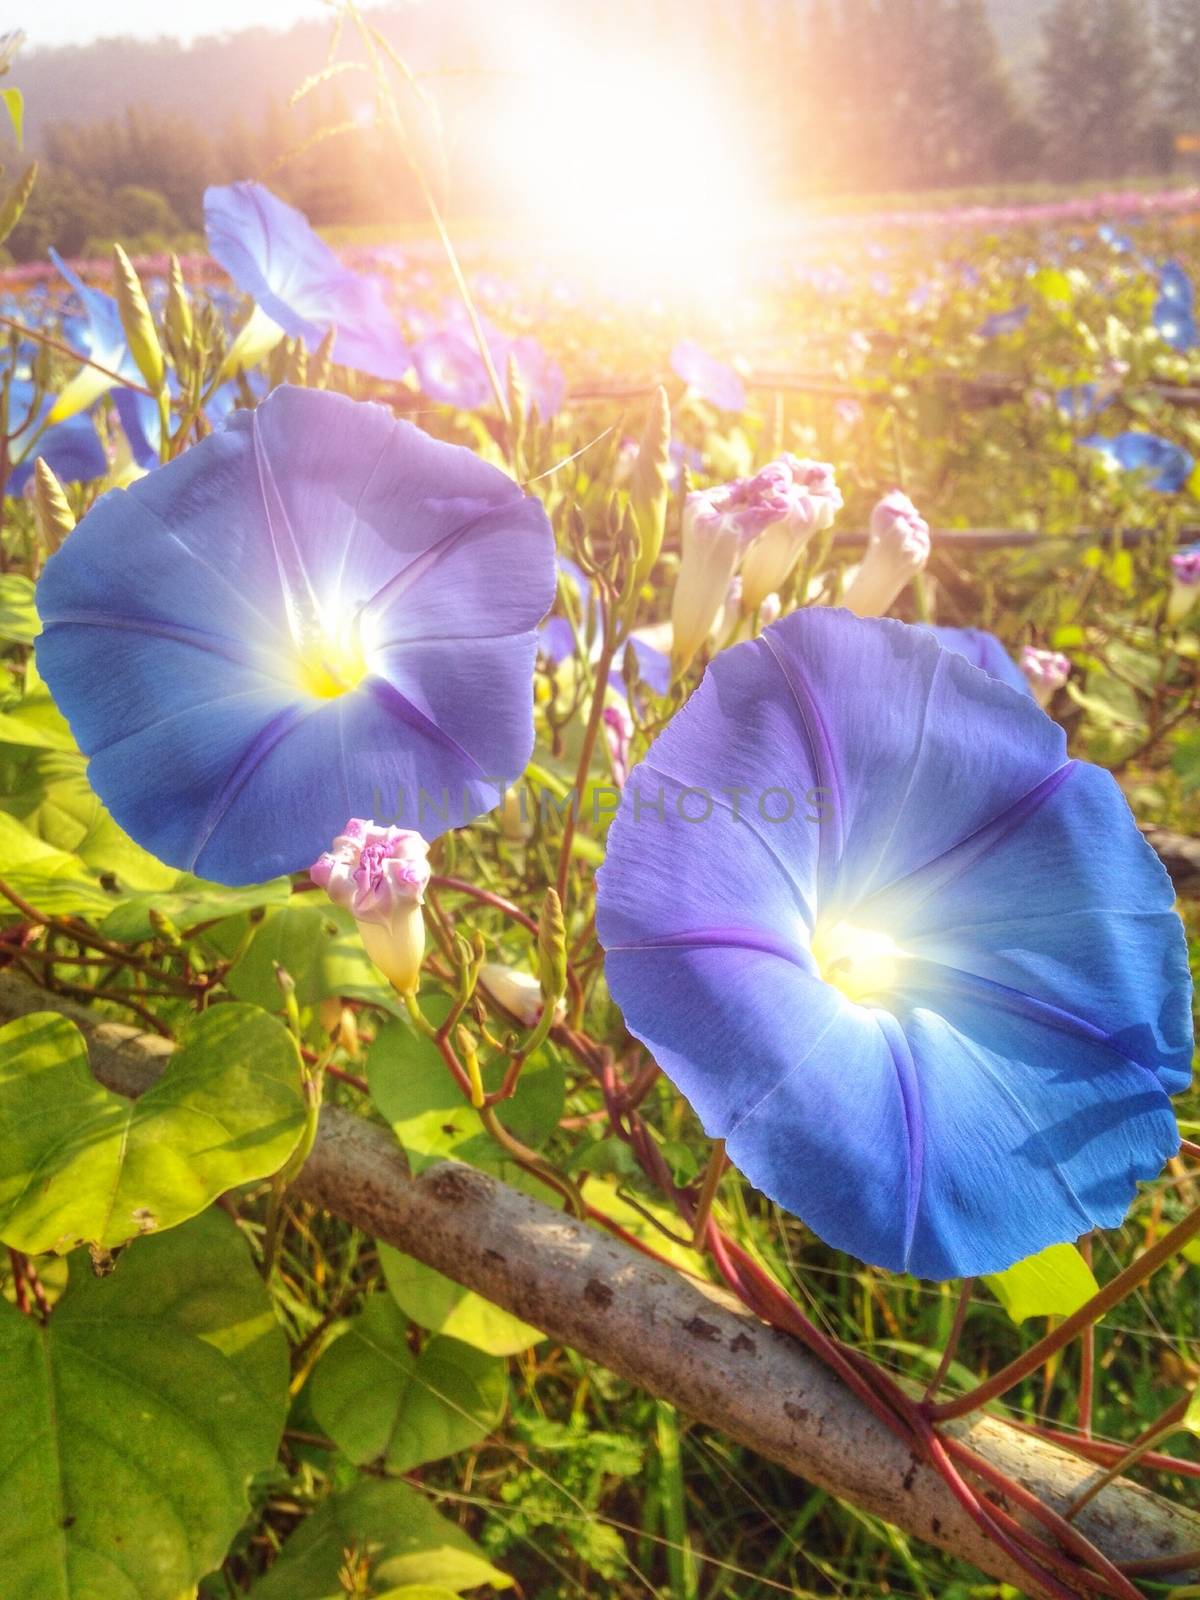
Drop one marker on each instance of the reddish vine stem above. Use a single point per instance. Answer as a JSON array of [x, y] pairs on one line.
[[1087, 1358], [1059, 1526], [1104, 1451], [1111, 1295], [910, 1421], [16, 1262], [956, 1328], [1165, 1425]]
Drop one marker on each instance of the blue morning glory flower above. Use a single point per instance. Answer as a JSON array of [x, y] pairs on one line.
[[1119, 243], [853, 904], [1081, 401], [1169, 465], [316, 613], [273, 255], [72, 449], [99, 336], [713, 380], [983, 650], [1003, 322], [1174, 313], [451, 370]]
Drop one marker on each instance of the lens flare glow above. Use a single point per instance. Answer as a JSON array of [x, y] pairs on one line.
[[630, 164]]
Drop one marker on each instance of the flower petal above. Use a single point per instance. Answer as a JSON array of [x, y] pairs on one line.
[[175, 639]]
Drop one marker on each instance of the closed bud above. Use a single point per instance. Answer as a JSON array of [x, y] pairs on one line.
[[14, 202], [1046, 671], [515, 822], [552, 947], [138, 323], [1185, 584], [897, 552], [650, 483], [180, 323], [518, 992], [52, 513], [379, 875], [320, 368]]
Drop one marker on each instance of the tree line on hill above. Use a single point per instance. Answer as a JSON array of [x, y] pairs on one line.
[[833, 96]]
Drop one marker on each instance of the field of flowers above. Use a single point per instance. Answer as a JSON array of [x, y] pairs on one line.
[[530, 799]]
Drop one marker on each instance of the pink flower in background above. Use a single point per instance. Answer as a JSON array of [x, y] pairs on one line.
[[1046, 671]]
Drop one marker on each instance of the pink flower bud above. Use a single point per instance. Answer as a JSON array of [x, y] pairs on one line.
[[1046, 671], [897, 550], [718, 525], [380, 875], [804, 498], [1185, 584], [618, 736]]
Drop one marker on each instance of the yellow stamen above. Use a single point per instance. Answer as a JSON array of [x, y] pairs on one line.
[[331, 666], [859, 961]]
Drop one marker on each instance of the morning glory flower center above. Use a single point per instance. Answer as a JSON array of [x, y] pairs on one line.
[[860, 962], [330, 658]]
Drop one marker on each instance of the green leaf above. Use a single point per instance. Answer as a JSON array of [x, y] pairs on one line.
[[603, 1196], [1053, 286], [52, 881], [35, 720], [189, 901], [418, 1591], [1185, 761], [405, 1540], [1191, 1417], [48, 790], [14, 102], [377, 1401], [18, 618], [132, 1422], [79, 1164], [440, 1305], [411, 1087], [1054, 1283], [318, 944]]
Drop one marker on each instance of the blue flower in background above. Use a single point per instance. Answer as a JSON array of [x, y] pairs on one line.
[[272, 254], [1081, 402], [98, 336], [985, 651], [1169, 465], [556, 640], [873, 942], [1003, 322], [1175, 309], [316, 613], [1119, 243], [713, 380], [543, 379], [451, 370], [72, 449]]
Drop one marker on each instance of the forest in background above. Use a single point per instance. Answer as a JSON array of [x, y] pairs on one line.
[[831, 96]]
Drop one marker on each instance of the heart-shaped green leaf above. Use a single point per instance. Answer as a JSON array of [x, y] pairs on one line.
[[377, 1400], [1054, 1283], [440, 1305], [133, 1421], [79, 1164], [51, 880], [398, 1536]]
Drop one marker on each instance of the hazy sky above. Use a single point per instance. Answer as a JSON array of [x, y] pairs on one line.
[[78, 21]]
